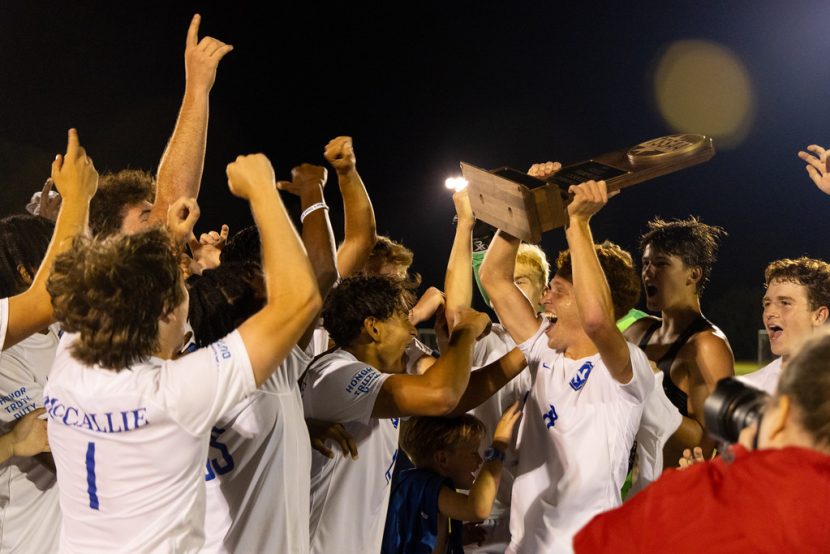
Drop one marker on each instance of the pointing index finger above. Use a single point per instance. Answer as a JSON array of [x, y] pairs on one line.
[[193, 31], [72, 144]]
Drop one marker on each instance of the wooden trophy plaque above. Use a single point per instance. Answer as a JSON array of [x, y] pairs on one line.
[[526, 206]]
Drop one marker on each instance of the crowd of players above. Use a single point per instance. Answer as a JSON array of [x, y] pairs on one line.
[[265, 391]]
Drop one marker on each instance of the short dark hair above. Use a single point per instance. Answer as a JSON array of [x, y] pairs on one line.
[[112, 293], [117, 191], [244, 246], [618, 266], [24, 240], [221, 299], [421, 437], [691, 240], [811, 273], [807, 382], [355, 298]]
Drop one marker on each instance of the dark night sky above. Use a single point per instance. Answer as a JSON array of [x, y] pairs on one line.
[[421, 87]]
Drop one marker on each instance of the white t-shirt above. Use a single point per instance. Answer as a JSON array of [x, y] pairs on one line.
[[257, 477], [574, 442], [349, 497], [766, 378], [660, 420], [130, 446], [30, 517]]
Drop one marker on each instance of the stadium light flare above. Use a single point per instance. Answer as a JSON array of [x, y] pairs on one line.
[[456, 184]]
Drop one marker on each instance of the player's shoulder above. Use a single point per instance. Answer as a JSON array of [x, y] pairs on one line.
[[711, 341], [636, 330]]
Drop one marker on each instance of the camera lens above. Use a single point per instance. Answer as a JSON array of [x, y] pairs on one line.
[[732, 407]]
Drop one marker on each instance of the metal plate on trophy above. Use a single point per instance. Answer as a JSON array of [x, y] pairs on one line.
[[525, 206]]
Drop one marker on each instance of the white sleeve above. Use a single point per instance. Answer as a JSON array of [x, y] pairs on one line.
[[198, 388], [535, 346], [642, 379], [343, 393], [4, 320]]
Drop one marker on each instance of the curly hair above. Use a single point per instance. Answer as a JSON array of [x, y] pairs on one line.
[[808, 272], [117, 191], [112, 293], [23, 242], [618, 266], [223, 298], [355, 298], [244, 246], [807, 382], [691, 240], [421, 437]]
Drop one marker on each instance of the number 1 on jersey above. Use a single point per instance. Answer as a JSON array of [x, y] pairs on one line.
[[91, 487]]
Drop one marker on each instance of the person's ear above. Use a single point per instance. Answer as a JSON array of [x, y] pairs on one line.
[[820, 316], [372, 328], [440, 458], [695, 275], [774, 422]]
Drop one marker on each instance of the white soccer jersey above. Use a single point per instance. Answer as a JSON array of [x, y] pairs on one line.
[[258, 469], [30, 518], [766, 378], [486, 351], [349, 497], [574, 442], [130, 446], [660, 420], [4, 320]]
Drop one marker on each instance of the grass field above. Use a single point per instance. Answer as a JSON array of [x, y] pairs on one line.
[[744, 367]]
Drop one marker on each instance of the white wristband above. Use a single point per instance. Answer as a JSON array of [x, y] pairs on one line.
[[312, 208]]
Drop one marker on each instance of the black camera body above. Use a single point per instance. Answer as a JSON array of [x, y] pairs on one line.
[[732, 407]]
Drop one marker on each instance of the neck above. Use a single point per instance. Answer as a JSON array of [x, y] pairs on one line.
[[582, 347], [677, 318], [369, 354]]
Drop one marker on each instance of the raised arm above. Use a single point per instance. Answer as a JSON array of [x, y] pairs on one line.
[[438, 390], [817, 169], [180, 168], [307, 182], [593, 297], [511, 305], [458, 281], [476, 505], [76, 180], [487, 380], [292, 298], [360, 232]]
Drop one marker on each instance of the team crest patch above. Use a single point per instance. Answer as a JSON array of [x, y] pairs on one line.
[[578, 381]]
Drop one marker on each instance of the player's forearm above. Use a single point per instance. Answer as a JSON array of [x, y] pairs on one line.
[[486, 381], [451, 372], [182, 163], [289, 278], [318, 239], [484, 490], [360, 232], [499, 261], [31, 311], [458, 281], [593, 297]]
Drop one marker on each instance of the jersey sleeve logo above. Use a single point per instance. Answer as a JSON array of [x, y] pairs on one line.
[[362, 381], [578, 381]]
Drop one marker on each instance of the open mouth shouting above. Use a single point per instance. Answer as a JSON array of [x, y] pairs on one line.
[[774, 331]]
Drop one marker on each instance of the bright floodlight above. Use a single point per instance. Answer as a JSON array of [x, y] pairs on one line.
[[456, 183]]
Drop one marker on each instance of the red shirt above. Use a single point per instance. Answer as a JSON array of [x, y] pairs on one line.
[[774, 500]]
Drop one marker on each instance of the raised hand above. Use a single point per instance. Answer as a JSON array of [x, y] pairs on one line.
[[479, 323], [691, 458], [305, 178], [503, 433], [544, 169], [461, 199], [73, 173], [250, 175], [49, 204], [201, 58], [208, 249], [339, 152], [588, 198], [817, 168], [181, 218]]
